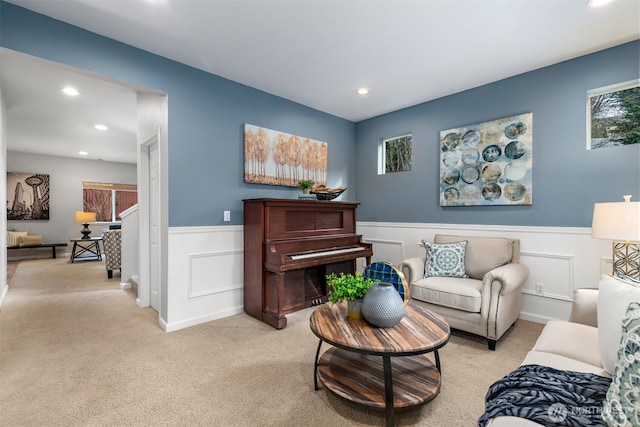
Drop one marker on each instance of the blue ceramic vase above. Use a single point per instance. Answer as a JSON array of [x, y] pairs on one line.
[[382, 305]]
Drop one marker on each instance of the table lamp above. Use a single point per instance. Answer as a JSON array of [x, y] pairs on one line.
[[620, 222], [85, 218]]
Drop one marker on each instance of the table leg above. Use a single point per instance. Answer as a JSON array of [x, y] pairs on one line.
[[73, 252], [315, 368], [437, 361], [388, 390], [87, 249]]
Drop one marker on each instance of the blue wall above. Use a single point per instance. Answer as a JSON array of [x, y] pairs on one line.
[[207, 113], [567, 178], [206, 117]]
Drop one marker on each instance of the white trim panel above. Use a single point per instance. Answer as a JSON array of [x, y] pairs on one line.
[[551, 271], [206, 275], [561, 258]]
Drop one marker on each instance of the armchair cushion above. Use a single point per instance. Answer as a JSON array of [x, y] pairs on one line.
[[573, 340], [445, 259], [460, 293]]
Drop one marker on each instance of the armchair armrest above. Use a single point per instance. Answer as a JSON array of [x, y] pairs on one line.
[[412, 268], [502, 297], [585, 307], [512, 276]]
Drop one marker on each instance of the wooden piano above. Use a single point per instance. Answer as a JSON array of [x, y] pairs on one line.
[[289, 247]]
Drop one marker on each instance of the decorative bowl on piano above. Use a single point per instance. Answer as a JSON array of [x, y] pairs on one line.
[[325, 193]]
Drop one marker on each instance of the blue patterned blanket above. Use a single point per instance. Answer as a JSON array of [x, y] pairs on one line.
[[548, 396]]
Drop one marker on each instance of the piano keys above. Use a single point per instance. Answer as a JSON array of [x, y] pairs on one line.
[[323, 253], [289, 248]]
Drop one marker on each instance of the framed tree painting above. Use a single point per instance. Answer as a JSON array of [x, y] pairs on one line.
[[277, 158], [488, 163], [27, 196]]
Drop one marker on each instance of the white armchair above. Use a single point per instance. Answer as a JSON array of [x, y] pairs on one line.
[[488, 302]]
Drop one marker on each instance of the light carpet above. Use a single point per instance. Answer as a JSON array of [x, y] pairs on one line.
[[75, 350]]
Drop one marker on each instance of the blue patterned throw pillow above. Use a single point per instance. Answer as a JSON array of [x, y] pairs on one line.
[[627, 278], [621, 408], [445, 259]]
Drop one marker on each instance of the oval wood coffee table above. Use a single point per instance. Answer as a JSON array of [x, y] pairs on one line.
[[358, 367]]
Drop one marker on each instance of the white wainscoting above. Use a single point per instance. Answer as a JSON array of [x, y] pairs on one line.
[[560, 259], [206, 265], [206, 275]]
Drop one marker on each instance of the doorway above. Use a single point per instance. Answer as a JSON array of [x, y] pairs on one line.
[[148, 110]]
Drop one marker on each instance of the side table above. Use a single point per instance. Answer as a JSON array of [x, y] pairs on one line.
[[359, 366], [86, 249]]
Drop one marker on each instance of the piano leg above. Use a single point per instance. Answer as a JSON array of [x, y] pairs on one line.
[[273, 312], [278, 322]]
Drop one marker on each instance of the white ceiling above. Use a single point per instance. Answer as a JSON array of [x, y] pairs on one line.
[[42, 120], [318, 53]]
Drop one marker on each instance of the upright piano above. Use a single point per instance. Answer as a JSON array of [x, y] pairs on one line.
[[289, 247]]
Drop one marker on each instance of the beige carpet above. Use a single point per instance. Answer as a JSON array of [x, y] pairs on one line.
[[75, 350]]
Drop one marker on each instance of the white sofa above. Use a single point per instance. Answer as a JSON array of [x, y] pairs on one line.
[[583, 343], [488, 301]]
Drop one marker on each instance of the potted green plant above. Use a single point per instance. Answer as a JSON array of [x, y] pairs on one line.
[[351, 288], [305, 185]]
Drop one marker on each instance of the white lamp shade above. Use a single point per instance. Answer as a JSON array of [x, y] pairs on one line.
[[618, 221]]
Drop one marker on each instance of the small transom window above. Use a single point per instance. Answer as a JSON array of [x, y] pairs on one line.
[[395, 154]]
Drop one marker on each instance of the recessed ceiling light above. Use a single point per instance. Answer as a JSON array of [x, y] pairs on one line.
[[597, 3], [71, 91], [101, 127], [362, 91], [83, 153]]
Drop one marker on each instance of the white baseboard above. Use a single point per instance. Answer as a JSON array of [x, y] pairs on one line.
[[170, 327], [4, 293], [534, 318]]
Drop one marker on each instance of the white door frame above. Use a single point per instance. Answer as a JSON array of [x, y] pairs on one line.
[[144, 289]]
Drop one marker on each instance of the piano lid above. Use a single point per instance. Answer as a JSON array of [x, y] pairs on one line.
[[292, 219]]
